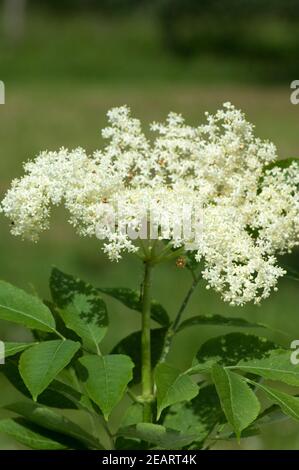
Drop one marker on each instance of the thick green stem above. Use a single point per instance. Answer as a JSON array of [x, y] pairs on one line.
[[146, 371]]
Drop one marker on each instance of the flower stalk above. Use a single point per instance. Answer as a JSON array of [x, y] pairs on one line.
[[174, 326]]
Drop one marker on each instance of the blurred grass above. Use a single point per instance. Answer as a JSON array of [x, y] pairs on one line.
[[57, 94]]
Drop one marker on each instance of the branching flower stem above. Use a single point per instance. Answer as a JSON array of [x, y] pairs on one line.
[[163, 256], [185, 302], [175, 324]]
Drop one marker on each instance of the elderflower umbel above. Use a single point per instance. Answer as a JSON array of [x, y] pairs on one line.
[[249, 208]]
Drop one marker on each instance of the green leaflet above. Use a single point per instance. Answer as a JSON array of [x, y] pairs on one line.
[[173, 386], [288, 404], [90, 334], [231, 348], [133, 415], [218, 320], [198, 416], [40, 364], [68, 394], [14, 348], [105, 379], [53, 396], [131, 299], [270, 415], [157, 434], [277, 366], [81, 308], [49, 419], [202, 368], [30, 435], [238, 401], [19, 307]]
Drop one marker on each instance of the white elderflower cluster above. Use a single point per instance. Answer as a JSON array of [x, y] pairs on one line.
[[217, 176]]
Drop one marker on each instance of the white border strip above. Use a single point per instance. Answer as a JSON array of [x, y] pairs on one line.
[[2, 352], [2, 92]]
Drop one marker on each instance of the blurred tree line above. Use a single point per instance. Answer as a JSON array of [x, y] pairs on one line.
[[263, 28]]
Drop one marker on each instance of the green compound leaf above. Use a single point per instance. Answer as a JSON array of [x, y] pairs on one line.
[[40, 364], [105, 379], [19, 307], [288, 404], [82, 308], [218, 320], [199, 416], [31, 436], [131, 346], [11, 349], [173, 386], [48, 419], [131, 299], [239, 403], [156, 434], [277, 366], [231, 348]]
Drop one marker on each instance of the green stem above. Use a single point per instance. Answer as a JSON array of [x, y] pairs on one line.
[[132, 396], [175, 324], [177, 319], [146, 372], [108, 433], [90, 415], [59, 334]]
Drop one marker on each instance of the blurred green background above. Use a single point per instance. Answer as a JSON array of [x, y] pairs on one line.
[[65, 63]]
